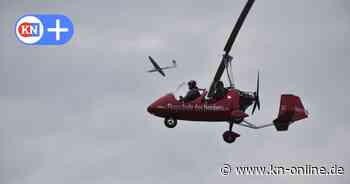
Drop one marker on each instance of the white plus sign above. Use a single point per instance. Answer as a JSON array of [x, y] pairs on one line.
[[57, 29]]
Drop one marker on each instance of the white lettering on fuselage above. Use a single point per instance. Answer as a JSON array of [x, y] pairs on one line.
[[196, 108]]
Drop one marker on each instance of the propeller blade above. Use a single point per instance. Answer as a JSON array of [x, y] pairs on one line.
[[238, 26], [257, 84], [256, 94]]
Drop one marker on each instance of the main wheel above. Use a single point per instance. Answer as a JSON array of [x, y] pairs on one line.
[[229, 137], [170, 122]]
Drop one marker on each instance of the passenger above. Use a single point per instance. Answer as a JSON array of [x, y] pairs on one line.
[[193, 92], [220, 90]]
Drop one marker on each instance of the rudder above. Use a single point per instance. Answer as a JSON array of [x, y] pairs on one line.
[[291, 110]]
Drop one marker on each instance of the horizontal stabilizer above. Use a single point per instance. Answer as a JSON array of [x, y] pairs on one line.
[[291, 110]]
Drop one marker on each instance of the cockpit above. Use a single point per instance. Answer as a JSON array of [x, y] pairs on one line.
[[184, 93]]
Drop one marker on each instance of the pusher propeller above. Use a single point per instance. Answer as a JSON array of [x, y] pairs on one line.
[[256, 96]]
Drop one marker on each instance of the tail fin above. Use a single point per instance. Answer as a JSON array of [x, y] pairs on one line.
[[291, 110]]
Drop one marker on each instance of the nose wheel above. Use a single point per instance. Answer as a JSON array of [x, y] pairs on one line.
[[170, 122], [230, 136]]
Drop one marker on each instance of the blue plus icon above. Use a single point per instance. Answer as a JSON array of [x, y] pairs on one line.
[[58, 30], [50, 29]]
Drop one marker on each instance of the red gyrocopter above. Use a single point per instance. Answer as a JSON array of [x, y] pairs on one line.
[[229, 107]]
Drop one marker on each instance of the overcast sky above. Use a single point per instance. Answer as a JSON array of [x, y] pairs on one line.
[[77, 113]]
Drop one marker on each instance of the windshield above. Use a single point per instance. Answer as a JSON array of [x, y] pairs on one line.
[[180, 90]]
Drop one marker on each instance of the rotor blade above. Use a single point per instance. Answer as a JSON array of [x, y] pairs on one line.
[[238, 26], [229, 44], [254, 107], [218, 74]]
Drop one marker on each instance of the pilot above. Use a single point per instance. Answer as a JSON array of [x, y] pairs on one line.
[[193, 92], [220, 90]]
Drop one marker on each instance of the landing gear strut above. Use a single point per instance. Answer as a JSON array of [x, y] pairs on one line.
[[230, 136]]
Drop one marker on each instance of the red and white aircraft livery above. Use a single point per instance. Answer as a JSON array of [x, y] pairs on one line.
[[225, 104]]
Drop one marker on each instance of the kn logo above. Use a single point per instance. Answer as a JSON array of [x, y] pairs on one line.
[[50, 29]]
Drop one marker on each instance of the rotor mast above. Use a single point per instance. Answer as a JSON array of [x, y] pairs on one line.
[[226, 59]]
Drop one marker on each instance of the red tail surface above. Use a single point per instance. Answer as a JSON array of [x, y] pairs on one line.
[[291, 110]]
